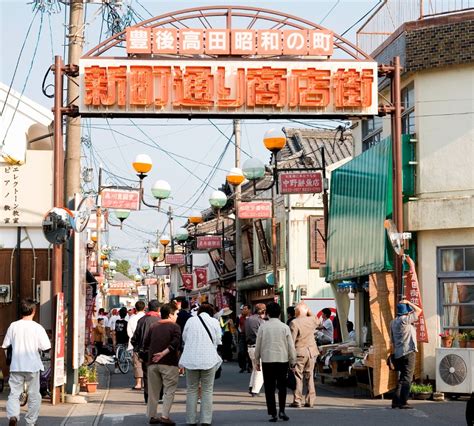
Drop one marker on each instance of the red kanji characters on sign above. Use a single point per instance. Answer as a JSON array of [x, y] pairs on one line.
[[105, 86], [187, 281], [162, 77], [141, 85], [266, 87], [201, 276], [310, 88], [138, 40], [193, 88], [353, 88], [223, 92]]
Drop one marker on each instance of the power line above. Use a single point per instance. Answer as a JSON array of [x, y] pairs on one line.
[[363, 17], [229, 138], [330, 10]]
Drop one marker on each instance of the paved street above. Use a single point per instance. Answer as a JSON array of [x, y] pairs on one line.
[[118, 404]]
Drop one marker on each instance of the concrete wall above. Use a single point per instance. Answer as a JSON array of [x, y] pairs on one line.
[[428, 241]]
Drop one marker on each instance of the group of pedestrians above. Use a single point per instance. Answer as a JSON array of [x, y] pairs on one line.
[[166, 340]]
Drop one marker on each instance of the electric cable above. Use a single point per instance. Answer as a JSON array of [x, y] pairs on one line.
[[233, 142], [363, 17], [330, 10]]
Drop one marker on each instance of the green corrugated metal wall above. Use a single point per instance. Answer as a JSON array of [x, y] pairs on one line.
[[360, 200]]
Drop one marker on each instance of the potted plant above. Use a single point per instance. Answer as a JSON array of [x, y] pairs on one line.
[[83, 373], [470, 341], [446, 339], [463, 338], [421, 391], [92, 380]]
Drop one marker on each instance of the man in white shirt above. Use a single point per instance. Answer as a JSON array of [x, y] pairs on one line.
[[131, 327], [326, 329], [27, 338]]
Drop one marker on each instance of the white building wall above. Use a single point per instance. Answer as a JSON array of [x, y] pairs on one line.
[[428, 242]]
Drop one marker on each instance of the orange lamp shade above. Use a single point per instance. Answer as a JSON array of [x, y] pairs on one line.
[[274, 140], [142, 163], [235, 176], [195, 218]]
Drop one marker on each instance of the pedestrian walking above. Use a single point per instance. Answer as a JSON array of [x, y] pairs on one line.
[[403, 340], [252, 324], [201, 336], [138, 339], [242, 356], [119, 332], [291, 314], [227, 327], [131, 327], [183, 314], [99, 335], [302, 329], [26, 338], [276, 351], [163, 342]]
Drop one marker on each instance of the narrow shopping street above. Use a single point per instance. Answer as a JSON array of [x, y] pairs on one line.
[[336, 405]]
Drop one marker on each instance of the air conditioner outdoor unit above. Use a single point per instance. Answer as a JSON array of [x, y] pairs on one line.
[[455, 370]]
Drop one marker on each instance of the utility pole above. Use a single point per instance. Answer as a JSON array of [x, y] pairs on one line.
[[238, 230], [73, 185]]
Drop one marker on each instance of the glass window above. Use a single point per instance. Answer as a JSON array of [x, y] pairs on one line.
[[408, 115], [452, 260], [469, 257], [458, 304]]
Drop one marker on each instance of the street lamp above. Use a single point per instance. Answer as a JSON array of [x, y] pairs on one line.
[[195, 218], [142, 165], [181, 234], [120, 214], [274, 140], [235, 176]]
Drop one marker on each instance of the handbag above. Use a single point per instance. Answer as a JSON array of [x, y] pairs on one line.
[[219, 370], [8, 354], [291, 380]]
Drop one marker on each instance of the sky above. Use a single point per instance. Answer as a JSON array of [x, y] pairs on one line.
[[183, 152]]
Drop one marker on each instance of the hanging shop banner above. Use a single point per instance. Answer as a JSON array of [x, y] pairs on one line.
[[413, 294], [113, 198], [175, 259], [204, 88], [201, 276], [255, 210], [187, 281], [161, 271], [301, 183], [59, 339], [209, 242]]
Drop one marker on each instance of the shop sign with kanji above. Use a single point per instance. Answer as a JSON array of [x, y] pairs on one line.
[[187, 281], [301, 183], [128, 199], [175, 259], [201, 276], [209, 242], [255, 210], [179, 88]]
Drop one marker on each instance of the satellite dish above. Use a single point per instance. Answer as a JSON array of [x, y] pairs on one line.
[[58, 225], [394, 236]]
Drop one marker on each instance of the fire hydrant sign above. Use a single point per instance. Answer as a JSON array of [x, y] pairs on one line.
[[301, 183], [255, 210]]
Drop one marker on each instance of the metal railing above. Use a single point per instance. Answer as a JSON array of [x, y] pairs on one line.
[[391, 14]]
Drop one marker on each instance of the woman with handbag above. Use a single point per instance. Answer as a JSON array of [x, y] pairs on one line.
[[201, 336]]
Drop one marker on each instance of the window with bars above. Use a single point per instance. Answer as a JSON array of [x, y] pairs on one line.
[[456, 288]]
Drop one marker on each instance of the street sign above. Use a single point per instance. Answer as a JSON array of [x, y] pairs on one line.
[[209, 242], [113, 198], [161, 270], [175, 259], [301, 183], [255, 210]]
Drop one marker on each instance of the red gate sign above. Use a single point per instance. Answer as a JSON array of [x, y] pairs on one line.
[[128, 199], [175, 259], [201, 276], [209, 242], [187, 281], [301, 183], [255, 210], [412, 293]]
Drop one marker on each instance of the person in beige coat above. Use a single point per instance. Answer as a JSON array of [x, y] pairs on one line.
[[302, 330]]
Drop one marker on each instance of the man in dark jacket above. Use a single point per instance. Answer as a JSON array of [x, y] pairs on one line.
[[138, 339], [183, 314], [163, 342]]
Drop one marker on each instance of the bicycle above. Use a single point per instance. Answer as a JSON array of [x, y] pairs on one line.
[[123, 358]]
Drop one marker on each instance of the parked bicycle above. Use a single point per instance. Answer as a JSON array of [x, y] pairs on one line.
[[123, 358]]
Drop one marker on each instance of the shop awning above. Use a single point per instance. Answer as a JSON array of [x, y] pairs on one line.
[[360, 201]]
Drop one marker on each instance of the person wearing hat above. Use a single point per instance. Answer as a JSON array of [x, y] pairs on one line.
[[226, 325], [403, 340]]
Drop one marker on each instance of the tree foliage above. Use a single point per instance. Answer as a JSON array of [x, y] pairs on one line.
[[123, 266]]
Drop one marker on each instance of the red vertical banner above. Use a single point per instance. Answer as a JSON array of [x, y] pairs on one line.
[[187, 281], [412, 293], [59, 338], [201, 276]]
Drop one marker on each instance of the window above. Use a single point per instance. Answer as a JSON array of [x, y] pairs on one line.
[[408, 114], [371, 132], [456, 278], [317, 247]]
